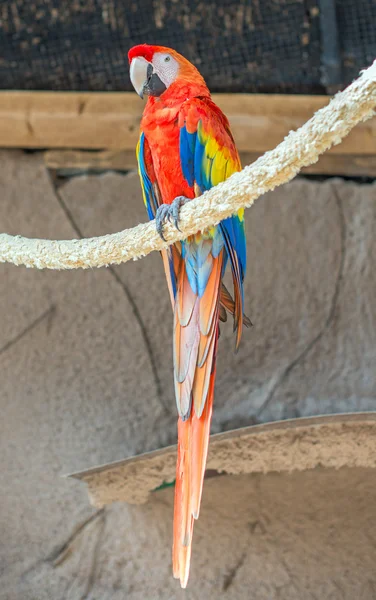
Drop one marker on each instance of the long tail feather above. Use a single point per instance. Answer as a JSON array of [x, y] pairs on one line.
[[200, 444], [193, 442], [196, 329], [183, 520], [199, 303]]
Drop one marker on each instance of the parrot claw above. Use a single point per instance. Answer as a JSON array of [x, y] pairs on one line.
[[163, 213], [175, 209], [169, 212]]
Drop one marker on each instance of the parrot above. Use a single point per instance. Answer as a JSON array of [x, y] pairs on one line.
[[185, 148]]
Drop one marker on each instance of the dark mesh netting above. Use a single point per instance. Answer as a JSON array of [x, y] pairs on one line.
[[357, 26], [239, 45]]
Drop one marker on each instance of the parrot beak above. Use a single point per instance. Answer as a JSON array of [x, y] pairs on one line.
[[139, 74], [144, 79]]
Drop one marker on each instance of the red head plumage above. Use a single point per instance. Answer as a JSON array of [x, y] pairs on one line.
[[143, 50], [185, 74]]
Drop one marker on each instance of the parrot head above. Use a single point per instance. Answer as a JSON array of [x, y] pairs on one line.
[[154, 69]]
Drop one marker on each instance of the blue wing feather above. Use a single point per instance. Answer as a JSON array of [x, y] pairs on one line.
[[150, 199], [187, 147]]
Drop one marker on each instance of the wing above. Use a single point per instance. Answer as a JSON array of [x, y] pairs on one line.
[[152, 200], [209, 156], [147, 176]]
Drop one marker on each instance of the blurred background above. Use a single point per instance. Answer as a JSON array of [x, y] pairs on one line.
[[86, 356], [297, 46]]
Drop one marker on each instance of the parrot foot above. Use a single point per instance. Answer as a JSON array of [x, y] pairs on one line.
[[169, 212]]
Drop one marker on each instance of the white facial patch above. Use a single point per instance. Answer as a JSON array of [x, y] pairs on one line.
[[166, 67]]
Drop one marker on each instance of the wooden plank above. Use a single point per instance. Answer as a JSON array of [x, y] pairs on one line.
[[83, 160], [349, 165], [111, 120], [125, 160], [68, 120]]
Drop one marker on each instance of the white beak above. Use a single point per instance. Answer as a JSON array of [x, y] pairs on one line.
[[138, 74]]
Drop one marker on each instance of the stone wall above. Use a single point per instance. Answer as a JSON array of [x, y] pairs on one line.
[[85, 363]]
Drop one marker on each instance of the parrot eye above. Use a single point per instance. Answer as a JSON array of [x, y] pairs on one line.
[[165, 67]]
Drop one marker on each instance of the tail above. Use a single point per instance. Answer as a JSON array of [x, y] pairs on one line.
[[200, 300], [196, 329], [193, 440]]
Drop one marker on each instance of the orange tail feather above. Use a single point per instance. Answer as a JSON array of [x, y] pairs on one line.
[[183, 520], [200, 444], [193, 442]]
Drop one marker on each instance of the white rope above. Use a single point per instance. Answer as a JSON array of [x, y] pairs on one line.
[[299, 149]]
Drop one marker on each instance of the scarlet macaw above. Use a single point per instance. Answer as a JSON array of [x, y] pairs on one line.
[[186, 147]]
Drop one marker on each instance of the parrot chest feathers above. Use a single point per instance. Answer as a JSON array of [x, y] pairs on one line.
[[163, 136]]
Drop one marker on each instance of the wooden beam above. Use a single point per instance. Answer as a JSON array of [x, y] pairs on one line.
[[70, 161], [84, 160], [111, 120]]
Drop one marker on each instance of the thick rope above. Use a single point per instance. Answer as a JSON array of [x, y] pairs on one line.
[[299, 149]]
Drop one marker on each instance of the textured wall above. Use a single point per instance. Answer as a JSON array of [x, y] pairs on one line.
[[85, 366]]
